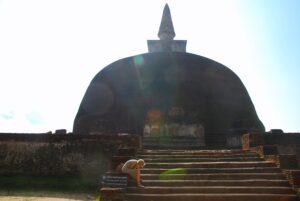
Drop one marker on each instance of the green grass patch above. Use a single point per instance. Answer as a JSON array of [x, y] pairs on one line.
[[55, 184]]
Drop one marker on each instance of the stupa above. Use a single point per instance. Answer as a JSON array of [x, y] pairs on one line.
[[167, 92]]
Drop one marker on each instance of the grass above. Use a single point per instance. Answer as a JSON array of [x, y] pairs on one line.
[[38, 185]]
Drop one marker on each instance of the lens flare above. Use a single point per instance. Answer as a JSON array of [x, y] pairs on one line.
[[173, 174], [138, 60]]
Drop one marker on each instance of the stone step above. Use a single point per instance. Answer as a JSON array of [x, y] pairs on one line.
[[209, 175], [161, 142], [195, 155], [212, 170], [173, 153], [171, 141], [231, 176], [212, 189], [212, 165], [211, 197], [172, 146], [196, 159], [246, 182], [170, 138], [220, 151], [174, 156]]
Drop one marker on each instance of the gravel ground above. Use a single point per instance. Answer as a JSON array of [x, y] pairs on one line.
[[44, 196]]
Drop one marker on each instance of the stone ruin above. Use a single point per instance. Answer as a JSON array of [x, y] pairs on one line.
[[167, 92]]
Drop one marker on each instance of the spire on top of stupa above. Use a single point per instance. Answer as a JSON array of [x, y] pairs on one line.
[[166, 29], [166, 35]]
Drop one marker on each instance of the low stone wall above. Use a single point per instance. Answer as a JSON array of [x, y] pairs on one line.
[[286, 143], [86, 156], [223, 140]]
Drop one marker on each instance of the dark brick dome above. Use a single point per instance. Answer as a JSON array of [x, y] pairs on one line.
[[120, 96]]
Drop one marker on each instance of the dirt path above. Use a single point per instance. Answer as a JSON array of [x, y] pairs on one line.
[[45, 196], [20, 198]]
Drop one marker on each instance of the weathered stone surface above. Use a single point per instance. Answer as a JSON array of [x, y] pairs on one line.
[[276, 131], [269, 152], [86, 156], [286, 143], [252, 183], [251, 140], [53, 159], [112, 194], [287, 161], [293, 177], [121, 95], [61, 131]]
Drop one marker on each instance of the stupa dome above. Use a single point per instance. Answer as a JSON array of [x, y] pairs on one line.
[[120, 96], [167, 92]]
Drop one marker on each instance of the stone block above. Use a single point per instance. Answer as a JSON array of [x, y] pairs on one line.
[[112, 194], [61, 132], [269, 150], [287, 161], [293, 177], [234, 140], [126, 152], [276, 131], [250, 140], [266, 151], [271, 158]]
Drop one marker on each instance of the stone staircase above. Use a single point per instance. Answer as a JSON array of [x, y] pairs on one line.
[[209, 175], [168, 142]]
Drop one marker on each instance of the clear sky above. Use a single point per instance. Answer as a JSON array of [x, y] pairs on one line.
[[51, 49]]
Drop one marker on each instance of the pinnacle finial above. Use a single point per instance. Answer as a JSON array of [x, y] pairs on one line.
[[166, 29]]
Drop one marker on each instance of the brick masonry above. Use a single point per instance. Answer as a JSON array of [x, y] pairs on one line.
[[87, 156]]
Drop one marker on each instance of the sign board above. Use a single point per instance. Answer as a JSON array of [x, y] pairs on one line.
[[115, 181]]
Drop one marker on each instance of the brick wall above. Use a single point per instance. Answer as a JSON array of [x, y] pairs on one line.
[[87, 156], [286, 143]]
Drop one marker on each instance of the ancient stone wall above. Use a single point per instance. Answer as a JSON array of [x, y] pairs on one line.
[[86, 156], [286, 143]]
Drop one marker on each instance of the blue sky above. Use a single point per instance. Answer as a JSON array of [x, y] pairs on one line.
[[276, 26], [50, 51]]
